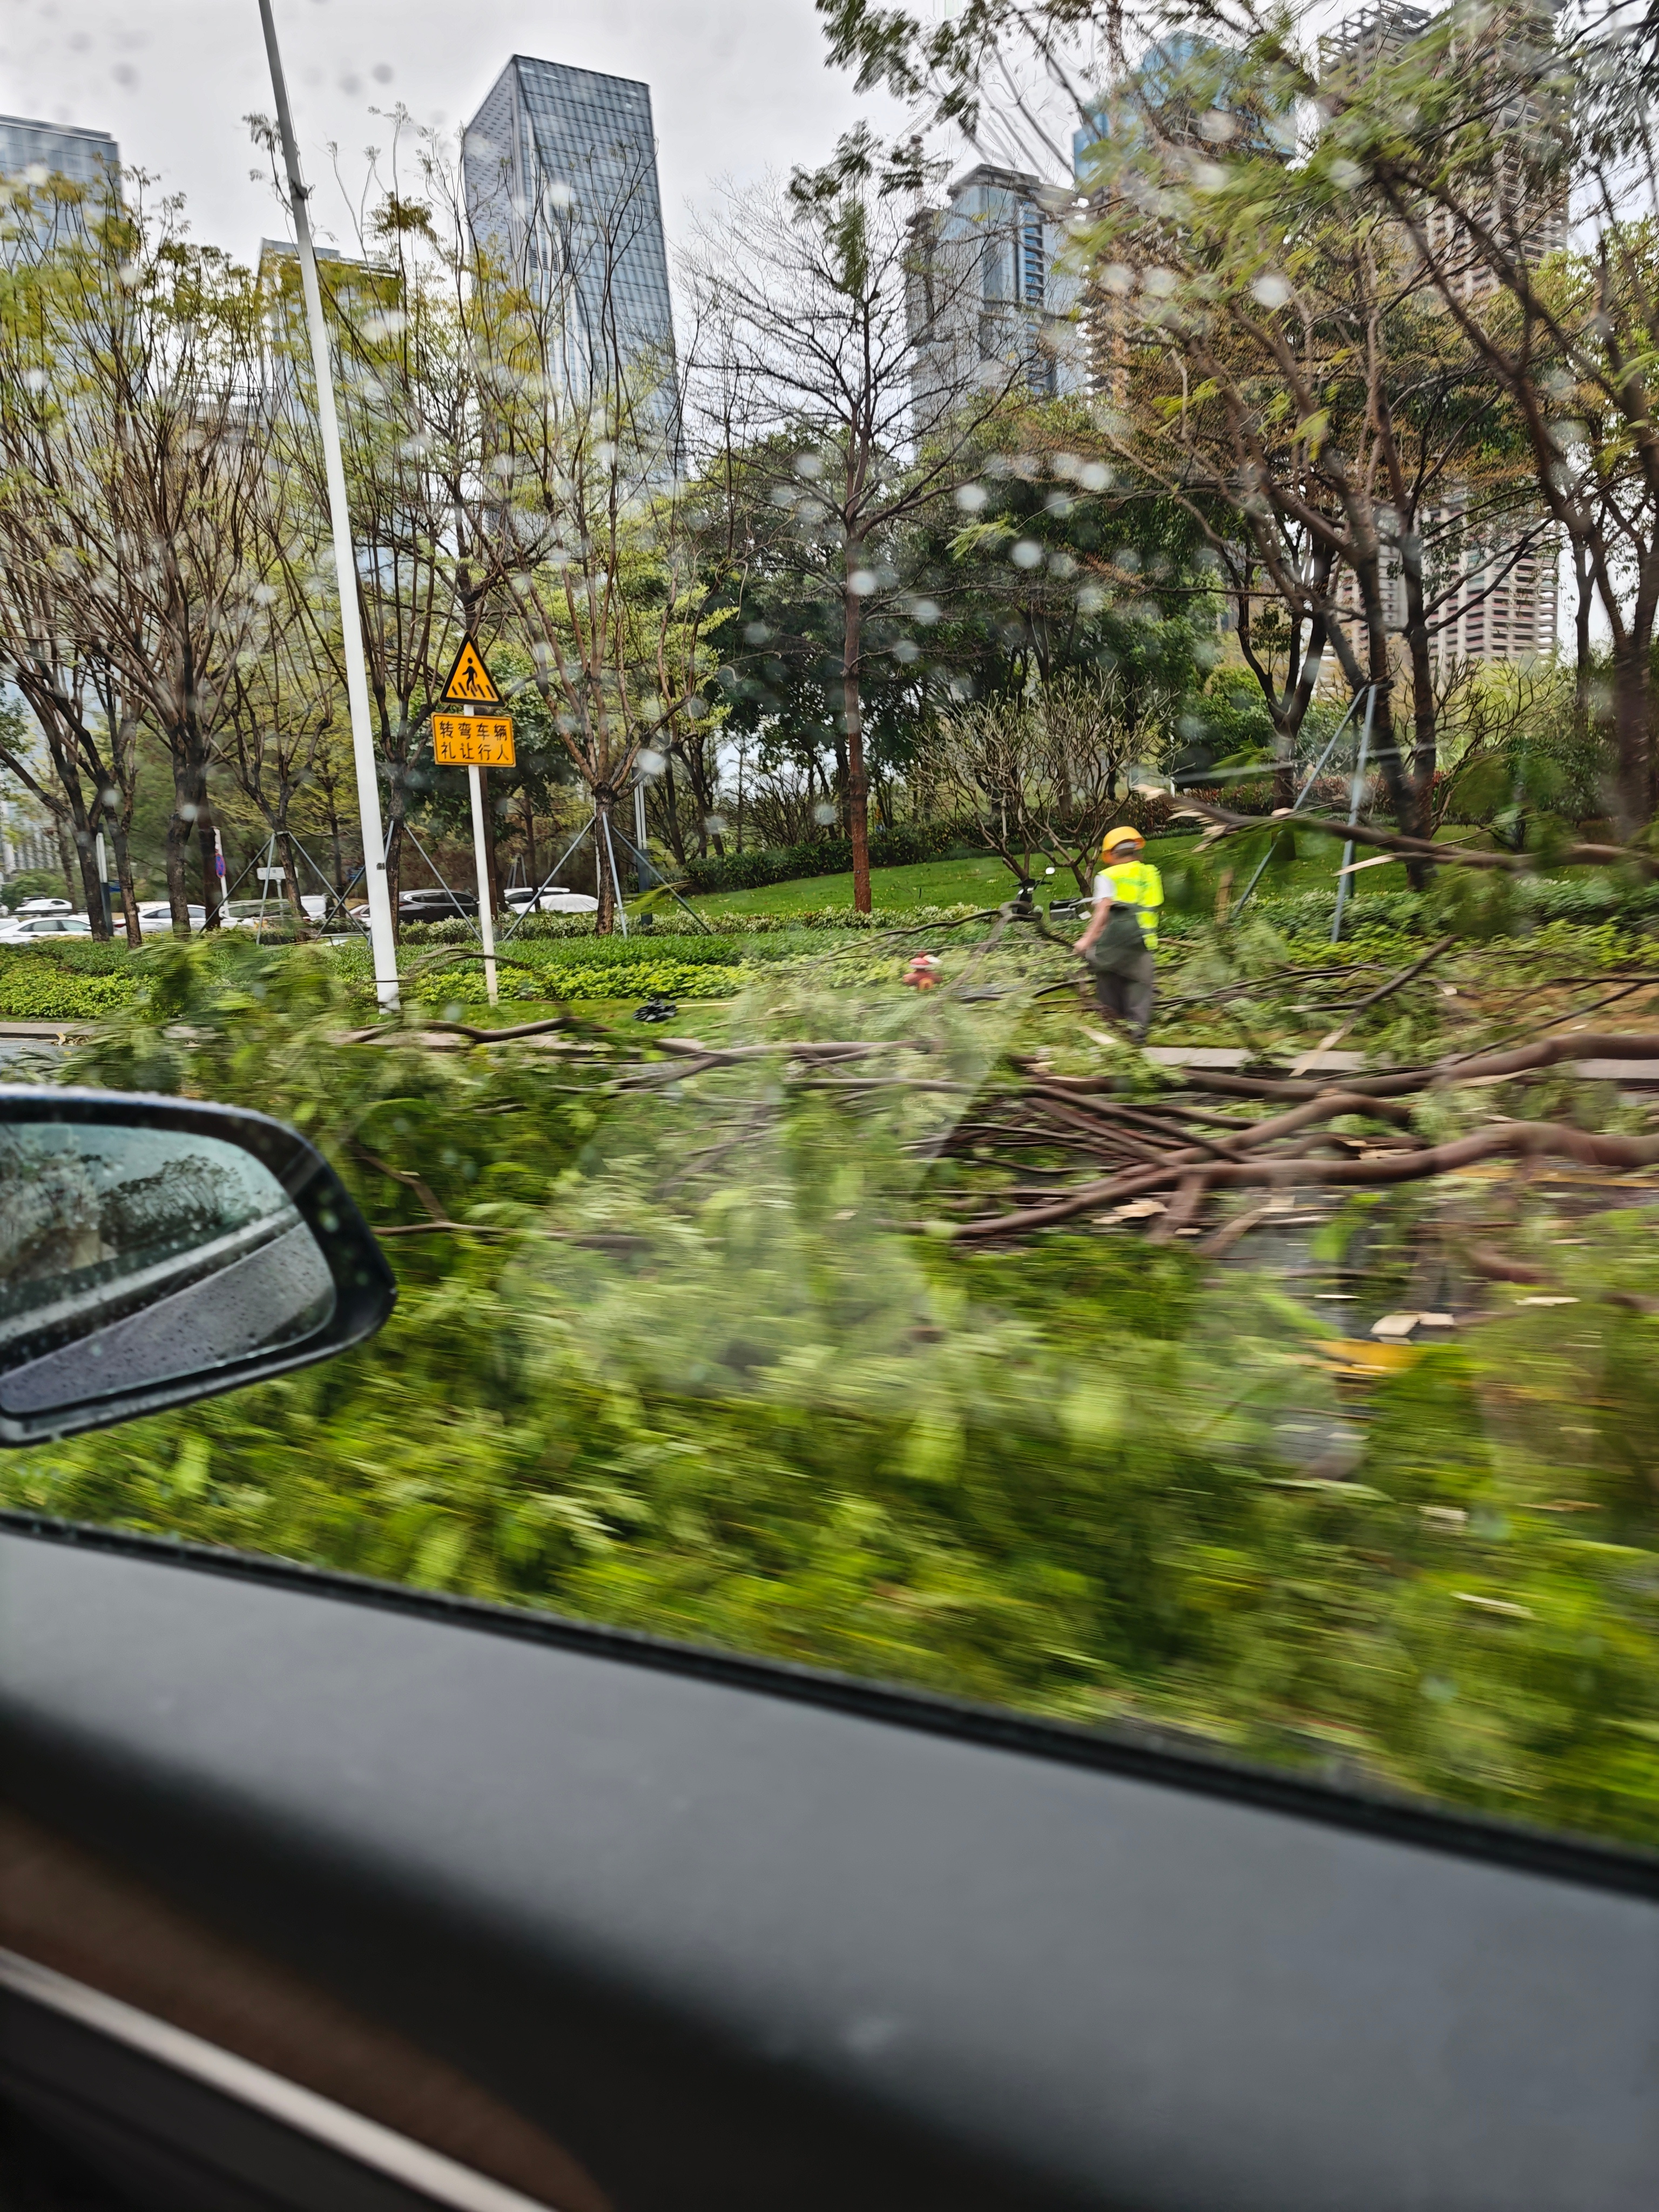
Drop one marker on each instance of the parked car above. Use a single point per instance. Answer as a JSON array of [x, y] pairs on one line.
[[46, 906], [29, 928], [267, 915], [434, 905], [155, 916], [554, 899]]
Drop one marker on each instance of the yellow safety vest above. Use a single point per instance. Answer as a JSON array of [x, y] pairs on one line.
[[1137, 884]]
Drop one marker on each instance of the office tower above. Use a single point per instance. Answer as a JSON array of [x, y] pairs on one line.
[[559, 168], [985, 299], [32, 152]]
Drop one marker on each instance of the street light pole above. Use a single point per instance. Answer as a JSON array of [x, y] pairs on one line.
[[381, 943]]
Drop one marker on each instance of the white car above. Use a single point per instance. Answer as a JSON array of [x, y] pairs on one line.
[[46, 906], [553, 900], [156, 915], [30, 928]]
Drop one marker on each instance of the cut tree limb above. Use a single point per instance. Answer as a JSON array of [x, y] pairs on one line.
[[1520, 1139], [1413, 848]]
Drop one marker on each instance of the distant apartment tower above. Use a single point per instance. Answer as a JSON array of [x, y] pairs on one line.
[[1193, 92], [55, 149], [985, 300], [559, 168], [1492, 591], [1348, 53]]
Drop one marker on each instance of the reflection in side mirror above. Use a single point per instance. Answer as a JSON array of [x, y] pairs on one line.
[[153, 1250]]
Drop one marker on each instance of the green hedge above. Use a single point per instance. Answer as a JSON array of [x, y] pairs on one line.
[[902, 848], [38, 986]]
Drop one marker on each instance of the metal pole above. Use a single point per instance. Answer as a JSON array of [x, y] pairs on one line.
[[1356, 792], [486, 919], [381, 942], [1312, 779], [103, 885], [701, 921], [643, 871], [615, 872]]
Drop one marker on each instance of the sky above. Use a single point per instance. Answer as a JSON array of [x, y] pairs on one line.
[[737, 86]]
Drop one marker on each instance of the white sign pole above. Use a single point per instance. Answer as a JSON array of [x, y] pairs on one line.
[[382, 944], [486, 919]]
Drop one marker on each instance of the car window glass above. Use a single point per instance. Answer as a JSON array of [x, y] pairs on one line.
[[1057, 1103]]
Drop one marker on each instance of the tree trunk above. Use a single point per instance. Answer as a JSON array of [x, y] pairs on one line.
[[529, 812], [66, 860], [858, 782], [1582, 664], [1632, 736], [1284, 767], [667, 797], [85, 845], [179, 826], [91, 881], [492, 862], [117, 835], [394, 858], [604, 882], [212, 889]]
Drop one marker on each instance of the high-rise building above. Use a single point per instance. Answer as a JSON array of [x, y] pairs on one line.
[[35, 151], [1195, 94], [1355, 46], [986, 299], [30, 154], [1493, 587], [560, 171]]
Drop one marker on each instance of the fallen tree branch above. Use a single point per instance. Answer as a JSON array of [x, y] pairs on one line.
[[1411, 848], [1522, 1139], [1374, 999]]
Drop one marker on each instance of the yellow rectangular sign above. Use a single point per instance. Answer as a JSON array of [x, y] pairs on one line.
[[473, 741]]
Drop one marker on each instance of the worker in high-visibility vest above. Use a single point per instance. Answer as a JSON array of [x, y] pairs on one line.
[[1121, 937]]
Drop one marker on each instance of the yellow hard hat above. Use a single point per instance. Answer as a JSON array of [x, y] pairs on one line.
[[1123, 834]]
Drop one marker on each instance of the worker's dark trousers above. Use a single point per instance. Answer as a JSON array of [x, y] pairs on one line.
[[1126, 989]]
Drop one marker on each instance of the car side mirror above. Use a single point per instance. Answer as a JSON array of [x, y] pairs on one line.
[[156, 1250]]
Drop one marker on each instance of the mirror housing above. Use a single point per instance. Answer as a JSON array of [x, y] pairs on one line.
[[157, 1251]]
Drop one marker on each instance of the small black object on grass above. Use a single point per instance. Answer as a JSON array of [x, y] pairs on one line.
[[656, 1009]]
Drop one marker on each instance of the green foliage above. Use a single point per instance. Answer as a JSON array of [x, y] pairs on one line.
[[41, 984], [31, 883], [683, 1368], [899, 847]]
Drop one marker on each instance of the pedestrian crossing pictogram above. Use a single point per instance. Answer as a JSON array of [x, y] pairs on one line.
[[469, 681]]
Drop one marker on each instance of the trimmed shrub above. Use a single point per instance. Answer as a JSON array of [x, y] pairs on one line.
[[36, 985], [902, 848]]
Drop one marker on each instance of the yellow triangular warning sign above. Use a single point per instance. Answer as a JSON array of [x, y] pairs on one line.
[[468, 679]]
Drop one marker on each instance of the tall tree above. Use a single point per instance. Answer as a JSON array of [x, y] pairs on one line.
[[802, 307], [133, 472]]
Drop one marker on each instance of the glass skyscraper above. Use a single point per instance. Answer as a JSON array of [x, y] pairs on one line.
[[58, 150], [560, 169]]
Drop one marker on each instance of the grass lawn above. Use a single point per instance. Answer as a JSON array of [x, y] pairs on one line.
[[930, 883], [988, 883]]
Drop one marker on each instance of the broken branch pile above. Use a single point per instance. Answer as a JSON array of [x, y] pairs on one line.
[[1175, 1146]]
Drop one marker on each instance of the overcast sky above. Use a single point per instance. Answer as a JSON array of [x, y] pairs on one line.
[[737, 86]]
